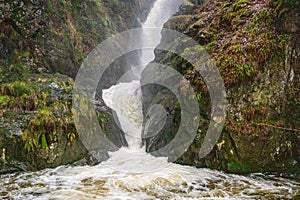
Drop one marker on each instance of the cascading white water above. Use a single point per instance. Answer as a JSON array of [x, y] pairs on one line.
[[131, 173], [160, 13], [125, 98]]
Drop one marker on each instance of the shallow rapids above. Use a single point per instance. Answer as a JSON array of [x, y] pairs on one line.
[[134, 174], [131, 173]]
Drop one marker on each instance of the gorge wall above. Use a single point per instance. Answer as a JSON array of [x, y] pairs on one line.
[[255, 45], [43, 44]]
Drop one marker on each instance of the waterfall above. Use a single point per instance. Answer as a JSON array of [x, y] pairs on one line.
[[125, 98], [131, 173], [160, 13]]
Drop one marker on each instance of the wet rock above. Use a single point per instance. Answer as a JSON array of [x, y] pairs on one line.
[[36, 125], [261, 132]]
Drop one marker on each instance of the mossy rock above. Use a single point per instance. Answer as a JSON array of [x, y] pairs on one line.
[[36, 114], [252, 47]]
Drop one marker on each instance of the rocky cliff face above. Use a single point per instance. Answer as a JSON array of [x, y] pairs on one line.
[[57, 35], [40, 39], [255, 45]]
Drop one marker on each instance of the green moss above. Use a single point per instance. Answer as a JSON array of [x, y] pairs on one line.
[[44, 127], [236, 15], [4, 100], [13, 67], [210, 47], [40, 130], [213, 28], [99, 4], [240, 4], [114, 2], [264, 17], [18, 88], [51, 117], [250, 52], [238, 167], [103, 120], [233, 64], [21, 96], [105, 22]]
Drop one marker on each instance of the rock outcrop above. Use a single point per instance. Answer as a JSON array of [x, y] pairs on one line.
[[40, 41], [255, 45]]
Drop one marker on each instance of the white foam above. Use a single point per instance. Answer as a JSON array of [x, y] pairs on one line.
[[125, 99], [130, 174]]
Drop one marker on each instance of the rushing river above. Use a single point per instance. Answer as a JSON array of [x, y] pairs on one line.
[[131, 173]]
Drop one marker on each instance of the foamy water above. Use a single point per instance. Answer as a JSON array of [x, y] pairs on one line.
[[126, 100], [131, 173]]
